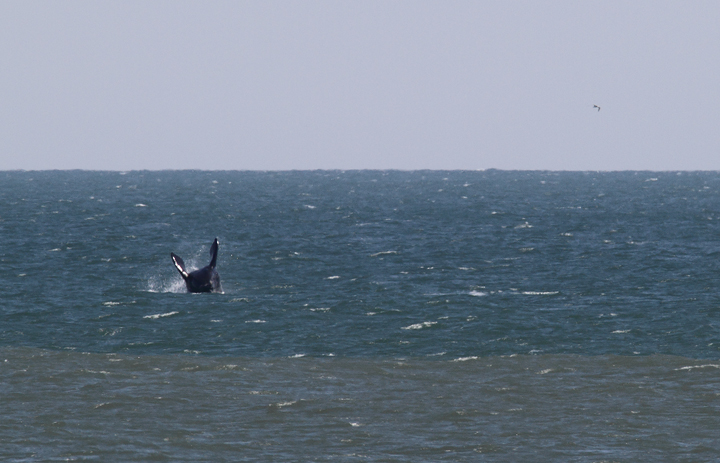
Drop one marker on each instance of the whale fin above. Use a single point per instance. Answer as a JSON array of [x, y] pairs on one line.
[[179, 264], [214, 253]]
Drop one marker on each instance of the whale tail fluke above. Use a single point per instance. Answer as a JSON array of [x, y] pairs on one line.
[[213, 253], [179, 265]]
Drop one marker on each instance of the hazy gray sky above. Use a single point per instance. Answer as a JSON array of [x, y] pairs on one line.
[[277, 85]]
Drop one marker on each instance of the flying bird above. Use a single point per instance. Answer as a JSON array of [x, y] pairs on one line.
[[596, 106]]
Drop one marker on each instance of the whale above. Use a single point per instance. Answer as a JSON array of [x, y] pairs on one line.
[[204, 280]]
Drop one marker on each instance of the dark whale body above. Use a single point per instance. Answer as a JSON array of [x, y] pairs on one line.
[[204, 280]]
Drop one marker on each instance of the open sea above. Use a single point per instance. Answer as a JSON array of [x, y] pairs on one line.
[[367, 316]]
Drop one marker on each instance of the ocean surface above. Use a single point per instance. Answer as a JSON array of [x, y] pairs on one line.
[[426, 316]]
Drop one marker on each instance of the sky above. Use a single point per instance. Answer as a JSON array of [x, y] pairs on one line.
[[280, 85]]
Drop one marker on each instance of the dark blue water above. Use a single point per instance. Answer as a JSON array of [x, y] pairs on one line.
[[367, 264], [356, 303]]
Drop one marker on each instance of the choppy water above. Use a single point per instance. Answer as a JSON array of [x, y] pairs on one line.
[[367, 316]]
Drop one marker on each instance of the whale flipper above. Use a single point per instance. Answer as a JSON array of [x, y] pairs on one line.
[[204, 280], [179, 264], [214, 253]]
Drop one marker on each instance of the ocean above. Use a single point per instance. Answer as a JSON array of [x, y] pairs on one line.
[[423, 316]]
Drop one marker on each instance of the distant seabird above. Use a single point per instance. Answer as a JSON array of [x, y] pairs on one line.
[[596, 106]]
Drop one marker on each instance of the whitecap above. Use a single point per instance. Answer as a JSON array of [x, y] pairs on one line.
[[140, 205], [382, 253], [334, 277], [285, 404], [161, 315], [694, 367], [620, 331], [255, 321], [465, 359], [540, 293], [477, 293], [419, 326]]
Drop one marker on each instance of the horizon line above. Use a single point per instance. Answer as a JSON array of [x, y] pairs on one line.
[[490, 169]]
